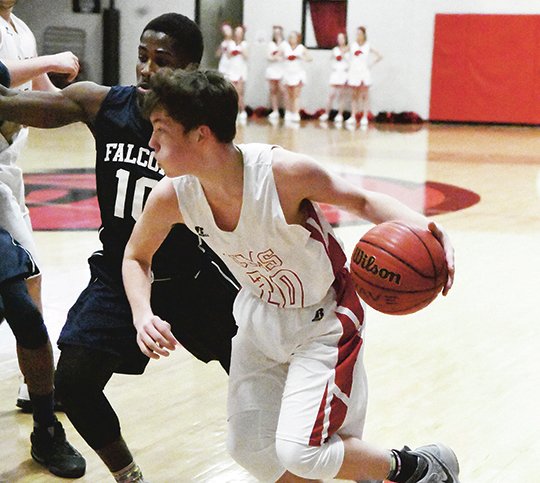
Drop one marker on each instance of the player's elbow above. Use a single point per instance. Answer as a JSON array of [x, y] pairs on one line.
[[134, 259]]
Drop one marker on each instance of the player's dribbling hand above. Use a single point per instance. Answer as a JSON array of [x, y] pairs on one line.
[[66, 63], [444, 239], [154, 337]]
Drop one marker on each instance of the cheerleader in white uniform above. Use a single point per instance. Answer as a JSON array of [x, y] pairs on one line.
[[338, 77], [294, 74], [274, 71], [223, 49], [238, 54], [359, 78]]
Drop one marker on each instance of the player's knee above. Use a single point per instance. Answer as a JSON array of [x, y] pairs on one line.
[[67, 384], [260, 460], [251, 450], [28, 326], [311, 462]]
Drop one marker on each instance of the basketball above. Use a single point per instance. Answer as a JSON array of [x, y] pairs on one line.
[[398, 268]]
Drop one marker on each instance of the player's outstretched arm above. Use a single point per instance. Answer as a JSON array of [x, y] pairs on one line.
[[36, 68], [78, 102], [299, 178], [161, 212]]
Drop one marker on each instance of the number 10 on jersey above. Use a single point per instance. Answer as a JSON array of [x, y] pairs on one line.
[[142, 188]]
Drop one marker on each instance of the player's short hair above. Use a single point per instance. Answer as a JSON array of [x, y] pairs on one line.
[[186, 35], [195, 98]]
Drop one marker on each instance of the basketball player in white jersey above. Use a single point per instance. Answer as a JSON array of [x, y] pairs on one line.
[[297, 392], [34, 351], [28, 71]]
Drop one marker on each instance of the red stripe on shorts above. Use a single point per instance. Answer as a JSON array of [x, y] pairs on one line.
[[338, 411], [316, 433], [349, 346], [350, 343]]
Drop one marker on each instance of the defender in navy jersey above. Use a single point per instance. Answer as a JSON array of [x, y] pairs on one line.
[[192, 291]]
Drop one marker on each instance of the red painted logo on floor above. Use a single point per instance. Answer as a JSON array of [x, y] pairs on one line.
[[66, 200]]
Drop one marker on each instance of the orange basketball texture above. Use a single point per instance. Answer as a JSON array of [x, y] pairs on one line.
[[398, 268]]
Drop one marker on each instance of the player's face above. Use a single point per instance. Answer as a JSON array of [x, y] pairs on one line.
[[174, 147], [156, 51], [7, 4]]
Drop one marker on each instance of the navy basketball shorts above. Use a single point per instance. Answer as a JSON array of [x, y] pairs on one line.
[[16, 261], [198, 307]]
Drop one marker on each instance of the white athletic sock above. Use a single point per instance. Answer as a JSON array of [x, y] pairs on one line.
[[130, 474]]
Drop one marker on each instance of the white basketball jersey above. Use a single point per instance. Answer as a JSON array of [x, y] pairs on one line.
[[288, 266], [17, 42]]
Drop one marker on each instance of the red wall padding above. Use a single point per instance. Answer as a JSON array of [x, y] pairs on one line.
[[486, 68]]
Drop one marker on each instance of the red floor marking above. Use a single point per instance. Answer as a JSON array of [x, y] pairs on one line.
[[66, 200]]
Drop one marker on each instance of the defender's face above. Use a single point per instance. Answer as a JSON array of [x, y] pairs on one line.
[[156, 51], [174, 147]]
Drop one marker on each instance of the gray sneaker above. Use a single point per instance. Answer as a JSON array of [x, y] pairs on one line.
[[441, 464]]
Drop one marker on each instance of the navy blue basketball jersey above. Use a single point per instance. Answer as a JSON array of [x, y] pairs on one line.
[[126, 172]]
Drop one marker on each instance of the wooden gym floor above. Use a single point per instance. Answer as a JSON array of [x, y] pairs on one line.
[[465, 370]]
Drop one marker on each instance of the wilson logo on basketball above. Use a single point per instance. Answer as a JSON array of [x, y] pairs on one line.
[[369, 264]]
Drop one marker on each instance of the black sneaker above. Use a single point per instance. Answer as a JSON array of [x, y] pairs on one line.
[[56, 454], [437, 463]]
